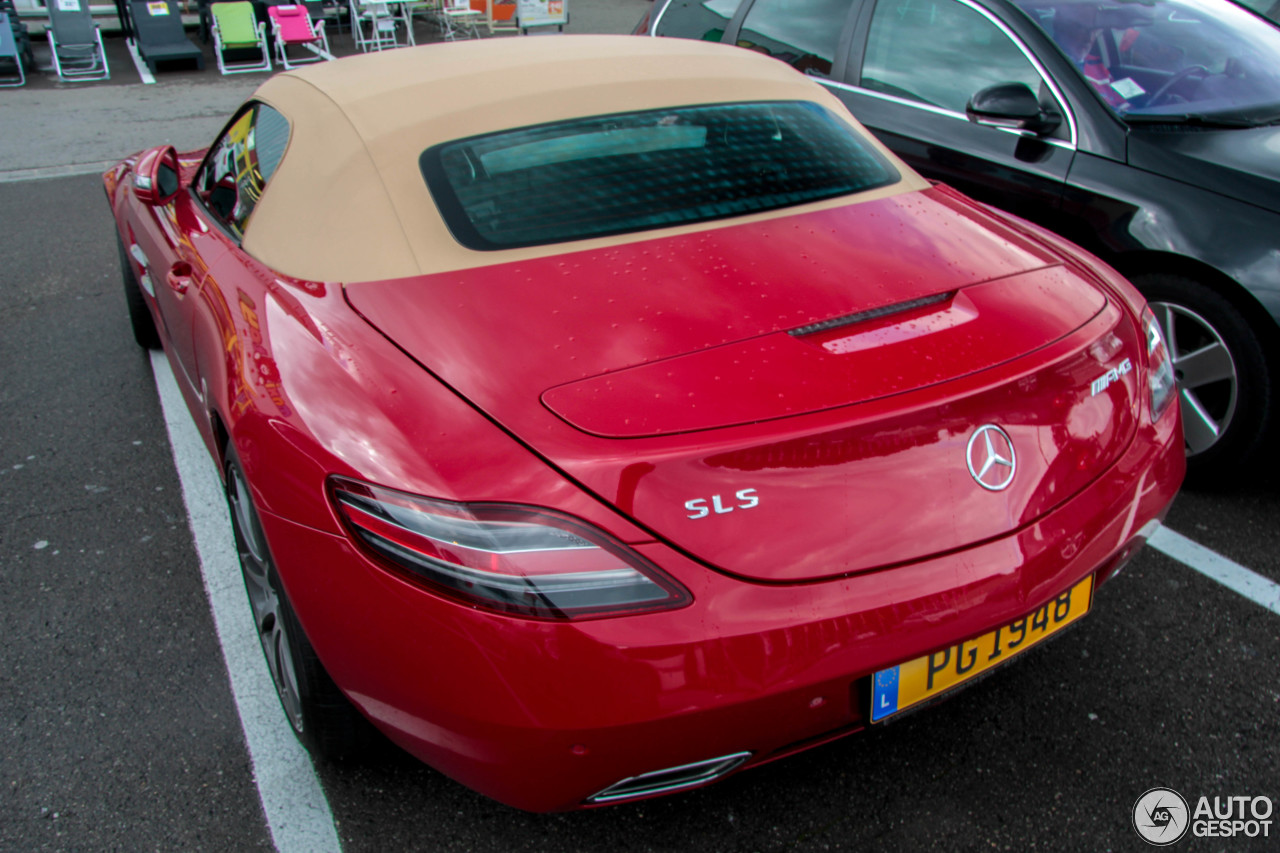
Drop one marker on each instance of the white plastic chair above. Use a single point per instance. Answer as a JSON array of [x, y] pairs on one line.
[[375, 27], [428, 9], [459, 20]]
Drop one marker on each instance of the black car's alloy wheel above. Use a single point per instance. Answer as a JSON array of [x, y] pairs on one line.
[[1225, 385], [324, 720]]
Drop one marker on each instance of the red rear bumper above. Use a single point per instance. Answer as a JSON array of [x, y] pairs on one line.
[[544, 715]]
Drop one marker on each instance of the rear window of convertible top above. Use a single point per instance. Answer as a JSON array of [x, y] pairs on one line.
[[628, 172]]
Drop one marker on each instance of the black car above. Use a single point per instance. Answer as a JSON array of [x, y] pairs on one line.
[[1145, 131], [1267, 8]]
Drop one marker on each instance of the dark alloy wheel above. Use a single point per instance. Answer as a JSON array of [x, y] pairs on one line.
[[1225, 384], [325, 721], [144, 327]]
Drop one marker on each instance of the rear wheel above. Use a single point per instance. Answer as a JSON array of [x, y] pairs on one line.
[[144, 328], [324, 720], [1225, 384]]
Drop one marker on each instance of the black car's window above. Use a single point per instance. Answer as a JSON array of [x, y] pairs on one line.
[[697, 19], [654, 169], [803, 33], [1169, 57], [240, 163], [940, 52]]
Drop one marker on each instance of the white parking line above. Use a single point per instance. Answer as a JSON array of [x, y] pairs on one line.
[[296, 809], [1234, 576], [40, 173]]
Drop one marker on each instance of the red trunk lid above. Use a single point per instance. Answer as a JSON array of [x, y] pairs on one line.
[[791, 399]]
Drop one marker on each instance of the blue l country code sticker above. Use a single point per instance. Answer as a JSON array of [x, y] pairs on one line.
[[885, 698]]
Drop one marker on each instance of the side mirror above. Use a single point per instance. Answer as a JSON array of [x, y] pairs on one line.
[[1011, 105], [155, 176]]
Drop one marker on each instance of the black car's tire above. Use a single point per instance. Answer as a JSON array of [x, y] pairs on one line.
[[324, 720], [1226, 387], [144, 327]]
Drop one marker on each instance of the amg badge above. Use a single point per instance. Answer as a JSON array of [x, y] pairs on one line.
[[1113, 375]]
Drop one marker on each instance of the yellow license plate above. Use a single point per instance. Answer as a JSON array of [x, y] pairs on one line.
[[898, 688]]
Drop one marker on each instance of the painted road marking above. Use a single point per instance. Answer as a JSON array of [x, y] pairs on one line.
[[40, 173], [296, 809], [1233, 576]]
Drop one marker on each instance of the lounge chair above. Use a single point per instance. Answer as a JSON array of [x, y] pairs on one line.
[[292, 26], [239, 38], [157, 26], [9, 56], [21, 38], [76, 41]]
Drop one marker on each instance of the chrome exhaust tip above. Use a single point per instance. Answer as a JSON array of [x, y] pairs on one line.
[[670, 779]]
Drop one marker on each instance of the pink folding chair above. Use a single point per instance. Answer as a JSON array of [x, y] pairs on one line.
[[291, 26]]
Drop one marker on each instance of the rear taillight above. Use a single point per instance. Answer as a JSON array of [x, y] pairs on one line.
[[506, 557], [1160, 378]]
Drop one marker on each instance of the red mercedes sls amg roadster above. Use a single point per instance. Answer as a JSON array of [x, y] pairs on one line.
[[600, 416]]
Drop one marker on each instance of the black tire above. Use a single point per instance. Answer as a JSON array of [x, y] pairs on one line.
[[1226, 384], [144, 327], [324, 720]]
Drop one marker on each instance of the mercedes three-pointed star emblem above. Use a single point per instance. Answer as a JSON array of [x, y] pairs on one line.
[[992, 461]]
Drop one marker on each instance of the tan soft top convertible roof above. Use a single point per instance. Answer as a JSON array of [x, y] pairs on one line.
[[348, 202]]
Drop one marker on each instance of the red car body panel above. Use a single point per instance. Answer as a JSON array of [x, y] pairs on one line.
[[788, 374], [870, 543], [674, 345], [764, 668]]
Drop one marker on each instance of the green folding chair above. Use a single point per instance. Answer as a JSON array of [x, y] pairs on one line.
[[239, 39]]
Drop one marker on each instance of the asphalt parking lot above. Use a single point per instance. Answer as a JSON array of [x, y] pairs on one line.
[[122, 725]]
